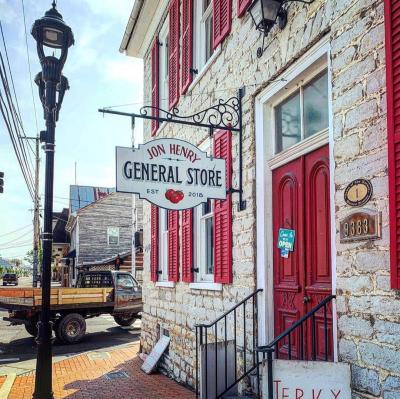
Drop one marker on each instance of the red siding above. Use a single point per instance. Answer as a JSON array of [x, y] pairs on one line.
[[187, 44], [173, 246], [173, 53], [187, 245], [155, 84], [154, 243], [222, 20], [392, 30], [223, 214], [242, 6]]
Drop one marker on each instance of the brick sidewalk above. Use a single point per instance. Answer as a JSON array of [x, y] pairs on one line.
[[84, 377]]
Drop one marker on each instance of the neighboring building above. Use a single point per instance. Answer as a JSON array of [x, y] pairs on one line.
[[315, 118], [100, 231], [81, 196], [60, 243]]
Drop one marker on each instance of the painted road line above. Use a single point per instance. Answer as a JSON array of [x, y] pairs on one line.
[[7, 385]]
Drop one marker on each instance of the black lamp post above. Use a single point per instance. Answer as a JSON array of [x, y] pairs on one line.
[[49, 31], [266, 13]]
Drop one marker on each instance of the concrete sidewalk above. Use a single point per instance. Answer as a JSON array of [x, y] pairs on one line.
[[113, 374]]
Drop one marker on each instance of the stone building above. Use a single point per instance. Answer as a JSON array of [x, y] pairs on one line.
[[315, 119]]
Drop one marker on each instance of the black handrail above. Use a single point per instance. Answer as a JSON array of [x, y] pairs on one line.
[[264, 348], [273, 345], [203, 330]]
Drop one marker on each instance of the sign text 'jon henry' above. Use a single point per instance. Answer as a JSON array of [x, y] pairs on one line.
[[170, 173]]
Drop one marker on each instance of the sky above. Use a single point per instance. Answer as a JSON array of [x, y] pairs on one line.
[[99, 76]]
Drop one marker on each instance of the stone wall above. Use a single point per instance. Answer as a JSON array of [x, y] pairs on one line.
[[368, 311]]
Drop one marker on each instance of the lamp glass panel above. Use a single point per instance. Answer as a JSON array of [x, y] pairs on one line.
[[52, 38], [316, 114], [270, 9], [288, 122]]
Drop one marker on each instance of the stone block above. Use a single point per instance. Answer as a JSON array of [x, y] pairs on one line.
[[365, 380], [355, 326], [380, 356], [388, 332], [347, 350]]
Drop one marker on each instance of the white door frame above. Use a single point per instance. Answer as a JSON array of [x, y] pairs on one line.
[[318, 54]]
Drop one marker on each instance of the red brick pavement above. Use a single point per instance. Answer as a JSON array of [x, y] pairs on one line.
[[2, 379], [82, 377]]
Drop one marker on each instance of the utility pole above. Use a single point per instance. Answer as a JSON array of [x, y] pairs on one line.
[[36, 215]]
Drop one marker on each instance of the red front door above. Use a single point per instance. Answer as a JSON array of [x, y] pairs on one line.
[[301, 202]]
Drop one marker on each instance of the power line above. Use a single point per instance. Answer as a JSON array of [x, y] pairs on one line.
[[29, 67], [16, 239], [14, 231], [22, 244], [227, 89]]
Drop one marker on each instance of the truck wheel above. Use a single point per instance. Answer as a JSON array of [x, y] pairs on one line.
[[125, 320], [71, 328], [31, 328]]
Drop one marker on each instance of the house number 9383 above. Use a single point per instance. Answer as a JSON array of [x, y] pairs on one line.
[[361, 225]]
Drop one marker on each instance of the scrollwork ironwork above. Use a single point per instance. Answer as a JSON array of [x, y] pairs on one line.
[[223, 114]]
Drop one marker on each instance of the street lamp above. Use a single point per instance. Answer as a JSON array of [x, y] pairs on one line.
[[266, 13], [50, 32]]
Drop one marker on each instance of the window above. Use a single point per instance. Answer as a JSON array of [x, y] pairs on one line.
[[164, 65], [125, 282], [203, 221], [303, 114], [113, 235], [163, 245], [202, 33]]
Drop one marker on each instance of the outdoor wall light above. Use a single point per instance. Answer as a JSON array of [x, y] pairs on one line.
[[266, 13]]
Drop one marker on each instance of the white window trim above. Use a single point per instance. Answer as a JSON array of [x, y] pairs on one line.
[[206, 286], [199, 62], [162, 246], [109, 235], [264, 184], [163, 102], [165, 284]]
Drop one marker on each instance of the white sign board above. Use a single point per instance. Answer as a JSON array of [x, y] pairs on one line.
[[170, 173], [155, 355], [308, 380]]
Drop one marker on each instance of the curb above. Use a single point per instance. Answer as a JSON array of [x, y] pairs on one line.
[[7, 385]]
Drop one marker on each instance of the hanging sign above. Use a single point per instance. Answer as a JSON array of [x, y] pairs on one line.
[[170, 173], [286, 241]]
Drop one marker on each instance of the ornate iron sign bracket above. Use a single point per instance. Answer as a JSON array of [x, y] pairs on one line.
[[225, 115]]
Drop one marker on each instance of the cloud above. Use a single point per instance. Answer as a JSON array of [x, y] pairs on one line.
[[126, 69]]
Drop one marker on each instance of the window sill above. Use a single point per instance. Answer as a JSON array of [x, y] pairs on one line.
[[165, 284], [206, 286], [205, 68]]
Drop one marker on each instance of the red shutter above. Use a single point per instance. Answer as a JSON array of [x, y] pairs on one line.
[[223, 214], [173, 246], [392, 28], [187, 245], [242, 6], [155, 84], [187, 44], [154, 244], [173, 53], [222, 20]]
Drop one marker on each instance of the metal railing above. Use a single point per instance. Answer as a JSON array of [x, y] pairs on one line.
[[239, 360], [299, 328]]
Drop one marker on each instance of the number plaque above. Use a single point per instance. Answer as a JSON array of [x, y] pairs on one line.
[[360, 225]]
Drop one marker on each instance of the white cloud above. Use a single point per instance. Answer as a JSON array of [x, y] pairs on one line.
[[7, 11], [124, 69]]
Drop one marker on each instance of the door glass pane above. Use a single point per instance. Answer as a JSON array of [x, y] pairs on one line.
[[288, 123], [316, 106], [209, 246]]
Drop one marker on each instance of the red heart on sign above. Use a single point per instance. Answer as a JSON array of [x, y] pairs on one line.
[[174, 196]]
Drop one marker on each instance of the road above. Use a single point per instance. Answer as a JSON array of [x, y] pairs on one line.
[[18, 348]]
